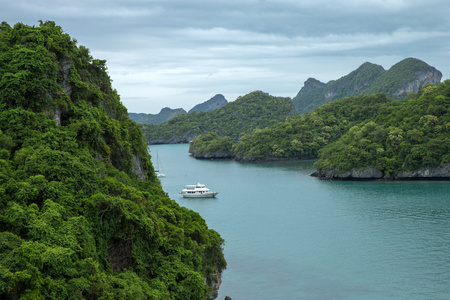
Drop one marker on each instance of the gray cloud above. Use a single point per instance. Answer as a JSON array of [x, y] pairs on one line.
[[180, 53]]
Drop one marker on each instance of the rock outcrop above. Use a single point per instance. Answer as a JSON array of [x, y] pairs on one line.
[[407, 76], [138, 168], [214, 284], [215, 102], [422, 78], [441, 172], [372, 173]]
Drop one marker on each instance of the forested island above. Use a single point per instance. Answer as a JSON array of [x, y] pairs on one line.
[[82, 214], [363, 137], [254, 110]]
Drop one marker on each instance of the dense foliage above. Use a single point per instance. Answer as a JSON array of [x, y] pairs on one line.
[[211, 145], [303, 136], [366, 80], [413, 134], [82, 214], [254, 110]]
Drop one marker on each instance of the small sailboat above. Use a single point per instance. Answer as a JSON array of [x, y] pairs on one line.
[[158, 164]]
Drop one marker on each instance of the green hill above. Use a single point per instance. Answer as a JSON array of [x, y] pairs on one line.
[[363, 137], [405, 77], [299, 137], [254, 110], [163, 116], [82, 214], [398, 142]]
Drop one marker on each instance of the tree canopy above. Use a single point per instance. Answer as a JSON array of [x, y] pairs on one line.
[[353, 133], [254, 110], [82, 214], [413, 134]]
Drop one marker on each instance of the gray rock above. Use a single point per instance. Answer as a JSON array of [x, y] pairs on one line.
[[372, 173], [369, 173], [440, 172]]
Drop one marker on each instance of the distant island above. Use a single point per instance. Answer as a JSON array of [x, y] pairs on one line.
[[354, 138], [254, 110], [163, 116], [403, 78], [168, 113]]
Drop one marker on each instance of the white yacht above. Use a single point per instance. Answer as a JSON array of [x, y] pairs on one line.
[[197, 191]]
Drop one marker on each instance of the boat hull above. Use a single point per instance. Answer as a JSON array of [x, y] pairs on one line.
[[204, 195]]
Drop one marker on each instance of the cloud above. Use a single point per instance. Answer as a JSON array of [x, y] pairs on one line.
[[180, 53]]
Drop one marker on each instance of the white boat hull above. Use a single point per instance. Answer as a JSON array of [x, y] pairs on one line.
[[206, 195]]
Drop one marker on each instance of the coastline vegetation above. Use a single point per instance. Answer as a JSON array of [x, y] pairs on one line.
[[82, 214], [301, 137], [254, 110], [353, 133], [413, 134]]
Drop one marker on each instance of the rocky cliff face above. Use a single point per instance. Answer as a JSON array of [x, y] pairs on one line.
[[407, 76], [372, 173], [422, 78], [214, 284], [215, 102], [311, 84]]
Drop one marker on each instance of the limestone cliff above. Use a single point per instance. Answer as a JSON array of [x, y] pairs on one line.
[[372, 173], [407, 76], [215, 102]]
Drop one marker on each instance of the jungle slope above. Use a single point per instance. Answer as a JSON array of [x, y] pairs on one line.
[[299, 137], [254, 110], [82, 214], [364, 137], [407, 141]]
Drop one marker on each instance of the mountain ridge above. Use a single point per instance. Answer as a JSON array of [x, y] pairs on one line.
[[164, 115], [167, 113], [254, 110], [406, 76], [214, 103]]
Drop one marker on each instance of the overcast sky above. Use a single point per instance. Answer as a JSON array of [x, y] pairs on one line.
[[178, 53]]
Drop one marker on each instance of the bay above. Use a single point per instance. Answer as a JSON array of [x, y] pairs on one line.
[[291, 236]]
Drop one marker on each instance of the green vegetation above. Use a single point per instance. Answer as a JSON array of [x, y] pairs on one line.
[[82, 214], [353, 133], [368, 79], [210, 145], [301, 137], [254, 110], [413, 134]]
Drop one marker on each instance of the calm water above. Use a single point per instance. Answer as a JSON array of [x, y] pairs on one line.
[[291, 236]]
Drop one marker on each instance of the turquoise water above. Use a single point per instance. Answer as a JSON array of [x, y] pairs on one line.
[[291, 236]]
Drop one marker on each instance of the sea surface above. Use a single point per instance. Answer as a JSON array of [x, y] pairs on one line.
[[291, 236]]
